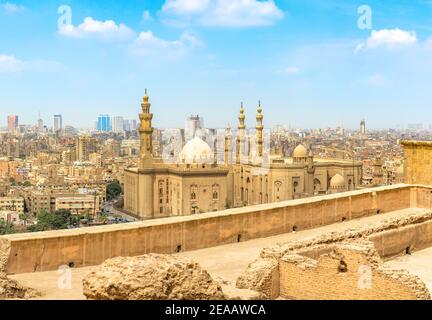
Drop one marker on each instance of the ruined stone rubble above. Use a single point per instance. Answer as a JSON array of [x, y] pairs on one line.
[[151, 277], [11, 289]]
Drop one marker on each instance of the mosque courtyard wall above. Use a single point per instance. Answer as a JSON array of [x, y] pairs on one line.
[[42, 251], [344, 265]]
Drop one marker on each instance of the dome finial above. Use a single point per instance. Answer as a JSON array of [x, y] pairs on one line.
[[259, 109]]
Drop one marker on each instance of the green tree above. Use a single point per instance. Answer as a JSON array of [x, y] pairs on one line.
[[113, 190], [24, 217], [6, 227], [60, 219]]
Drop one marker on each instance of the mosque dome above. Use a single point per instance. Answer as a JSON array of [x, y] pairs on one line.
[[196, 151], [300, 152], [337, 181]]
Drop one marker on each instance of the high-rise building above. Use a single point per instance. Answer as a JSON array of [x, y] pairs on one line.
[[193, 123], [104, 123], [58, 123], [40, 125], [118, 124], [363, 128], [12, 122], [84, 146]]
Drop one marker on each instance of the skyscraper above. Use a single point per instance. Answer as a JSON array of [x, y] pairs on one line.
[[118, 124], [363, 128], [193, 123], [12, 122], [84, 146], [104, 123], [58, 123]]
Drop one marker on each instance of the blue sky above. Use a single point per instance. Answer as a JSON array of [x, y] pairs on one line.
[[307, 61]]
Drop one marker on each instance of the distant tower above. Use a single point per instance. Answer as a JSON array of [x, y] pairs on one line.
[[310, 173], [378, 175], [259, 128], [146, 170], [12, 123], [104, 123], [146, 131], [363, 128], [58, 123], [227, 145], [240, 134], [40, 124], [193, 124]]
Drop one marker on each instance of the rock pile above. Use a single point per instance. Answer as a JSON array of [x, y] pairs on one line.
[[151, 277]]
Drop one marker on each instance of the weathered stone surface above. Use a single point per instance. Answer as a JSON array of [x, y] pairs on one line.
[[151, 277], [11, 289], [259, 276]]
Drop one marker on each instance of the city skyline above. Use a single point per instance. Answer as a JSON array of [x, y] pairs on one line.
[[308, 61]]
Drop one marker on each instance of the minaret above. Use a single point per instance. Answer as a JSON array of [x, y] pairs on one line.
[[227, 144], [240, 134], [310, 173], [259, 128], [146, 131]]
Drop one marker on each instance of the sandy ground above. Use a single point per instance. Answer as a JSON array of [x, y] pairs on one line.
[[419, 263], [228, 261]]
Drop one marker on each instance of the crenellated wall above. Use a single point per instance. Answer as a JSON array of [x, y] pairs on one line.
[[43, 251]]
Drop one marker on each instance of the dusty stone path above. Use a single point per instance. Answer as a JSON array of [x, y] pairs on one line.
[[227, 261]]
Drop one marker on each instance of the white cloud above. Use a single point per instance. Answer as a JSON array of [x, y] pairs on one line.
[[9, 7], [145, 44], [377, 80], [226, 13], [185, 6], [105, 30], [389, 38], [11, 64], [292, 70], [146, 16], [148, 44]]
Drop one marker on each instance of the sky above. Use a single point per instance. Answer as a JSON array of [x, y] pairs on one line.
[[312, 63]]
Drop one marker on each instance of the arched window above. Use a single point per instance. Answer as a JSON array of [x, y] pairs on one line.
[[317, 185], [277, 190], [295, 184], [215, 191], [194, 192]]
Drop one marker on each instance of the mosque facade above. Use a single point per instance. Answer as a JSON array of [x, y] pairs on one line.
[[196, 182]]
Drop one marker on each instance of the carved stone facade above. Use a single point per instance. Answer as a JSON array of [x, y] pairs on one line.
[[197, 184]]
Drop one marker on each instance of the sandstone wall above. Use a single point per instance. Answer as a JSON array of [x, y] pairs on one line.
[[418, 162], [91, 246], [307, 279], [308, 269]]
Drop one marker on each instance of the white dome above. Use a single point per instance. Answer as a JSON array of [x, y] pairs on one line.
[[300, 152], [196, 151], [337, 181]]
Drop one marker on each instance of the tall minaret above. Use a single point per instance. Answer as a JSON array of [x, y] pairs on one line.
[[240, 134], [310, 173], [146, 131], [259, 128], [227, 145]]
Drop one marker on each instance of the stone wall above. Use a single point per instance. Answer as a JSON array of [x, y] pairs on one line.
[[91, 246], [349, 271], [418, 162], [309, 269]]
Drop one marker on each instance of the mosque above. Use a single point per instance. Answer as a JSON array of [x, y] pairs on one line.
[[196, 182]]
